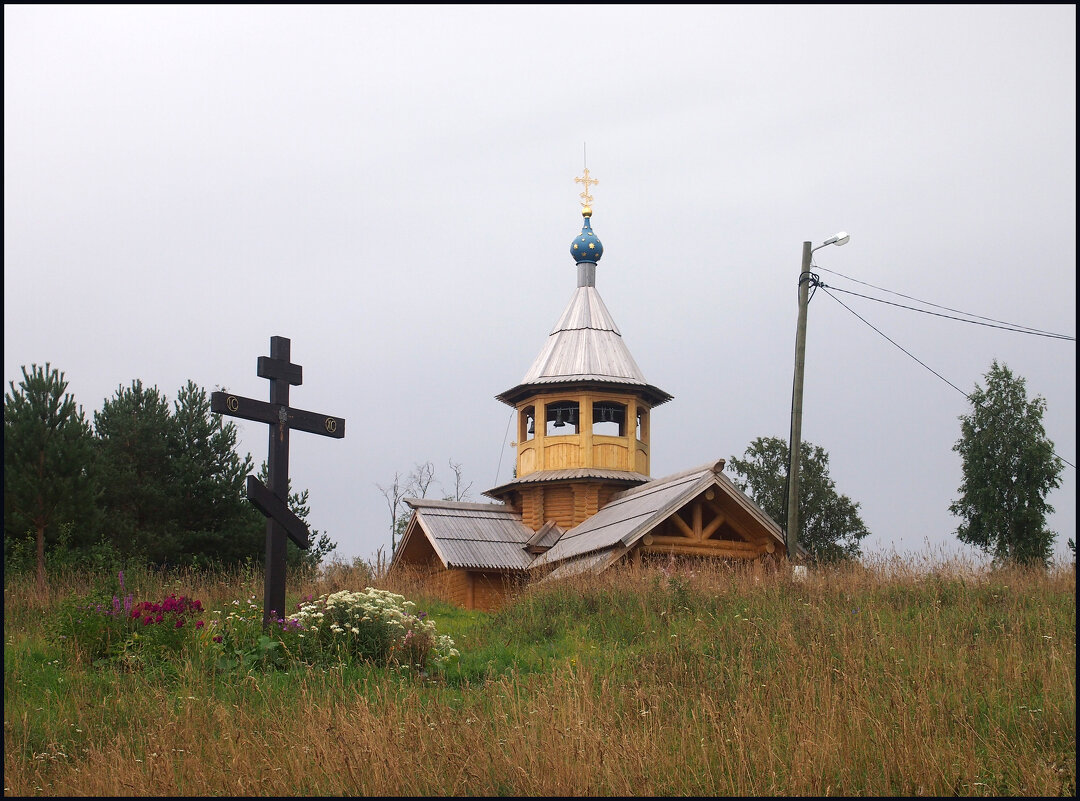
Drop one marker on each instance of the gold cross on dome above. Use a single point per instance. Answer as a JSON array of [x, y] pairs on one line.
[[586, 198]]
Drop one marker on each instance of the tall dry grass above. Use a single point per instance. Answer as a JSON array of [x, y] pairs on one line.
[[888, 679]]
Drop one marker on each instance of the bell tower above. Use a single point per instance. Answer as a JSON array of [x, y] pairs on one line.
[[583, 407]]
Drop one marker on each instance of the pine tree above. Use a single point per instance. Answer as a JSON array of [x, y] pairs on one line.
[[174, 486], [213, 520], [48, 453], [134, 435]]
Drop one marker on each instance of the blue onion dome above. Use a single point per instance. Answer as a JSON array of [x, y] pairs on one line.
[[586, 246]]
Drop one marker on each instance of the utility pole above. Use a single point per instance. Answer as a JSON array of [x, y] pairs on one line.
[[806, 278], [794, 443]]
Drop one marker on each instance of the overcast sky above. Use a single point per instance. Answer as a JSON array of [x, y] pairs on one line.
[[391, 188]]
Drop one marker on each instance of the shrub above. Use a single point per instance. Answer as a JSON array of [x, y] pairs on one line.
[[165, 627], [128, 632], [96, 629], [374, 625]]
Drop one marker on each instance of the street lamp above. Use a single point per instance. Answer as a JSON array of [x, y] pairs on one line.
[[794, 442]]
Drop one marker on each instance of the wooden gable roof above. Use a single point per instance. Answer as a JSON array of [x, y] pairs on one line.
[[669, 513], [468, 535]]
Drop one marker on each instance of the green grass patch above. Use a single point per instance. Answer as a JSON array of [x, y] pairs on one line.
[[692, 683]]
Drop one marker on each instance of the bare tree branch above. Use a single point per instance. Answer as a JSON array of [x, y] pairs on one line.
[[393, 495], [421, 478], [461, 492]]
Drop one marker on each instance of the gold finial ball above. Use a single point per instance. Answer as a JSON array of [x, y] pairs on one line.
[[586, 211]]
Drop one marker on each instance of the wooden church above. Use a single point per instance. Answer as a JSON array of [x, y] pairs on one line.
[[582, 498]]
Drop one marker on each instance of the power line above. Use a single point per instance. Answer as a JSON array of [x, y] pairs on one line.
[[1015, 326], [825, 289], [1006, 326], [502, 450], [935, 372]]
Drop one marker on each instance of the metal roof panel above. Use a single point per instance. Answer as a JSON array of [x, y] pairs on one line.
[[585, 343], [490, 555], [475, 535], [586, 310], [595, 562]]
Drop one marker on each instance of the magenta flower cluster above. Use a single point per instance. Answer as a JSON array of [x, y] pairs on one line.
[[118, 607], [151, 613], [286, 623]]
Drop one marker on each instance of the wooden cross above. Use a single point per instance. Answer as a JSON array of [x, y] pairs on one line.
[[273, 501], [586, 180]]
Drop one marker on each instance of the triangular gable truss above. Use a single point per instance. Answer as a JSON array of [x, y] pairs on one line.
[[409, 541], [702, 526]]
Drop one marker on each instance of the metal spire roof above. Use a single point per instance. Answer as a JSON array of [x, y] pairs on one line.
[[585, 344]]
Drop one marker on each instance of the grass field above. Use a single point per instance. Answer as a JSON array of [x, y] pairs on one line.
[[887, 679]]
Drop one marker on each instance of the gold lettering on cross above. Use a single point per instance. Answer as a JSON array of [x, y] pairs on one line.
[[586, 198]]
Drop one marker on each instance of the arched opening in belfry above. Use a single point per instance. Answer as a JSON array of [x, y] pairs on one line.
[[527, 424], [562, 418], [609, 419]]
